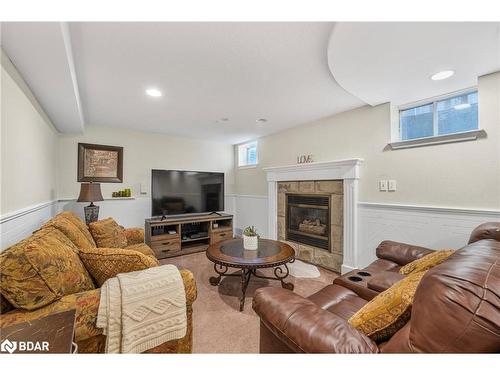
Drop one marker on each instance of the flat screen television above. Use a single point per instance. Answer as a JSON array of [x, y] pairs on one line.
[[186, 192]]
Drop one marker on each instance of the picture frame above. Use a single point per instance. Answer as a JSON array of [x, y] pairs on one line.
[[99, 163]]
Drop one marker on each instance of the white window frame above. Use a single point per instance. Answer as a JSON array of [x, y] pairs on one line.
[[240, 154], [398, 143]]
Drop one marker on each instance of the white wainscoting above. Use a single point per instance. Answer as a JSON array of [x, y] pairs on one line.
[[18, 225], [432, 227], [251, 210]]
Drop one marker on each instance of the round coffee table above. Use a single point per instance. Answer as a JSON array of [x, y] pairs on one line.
[[270, 254]]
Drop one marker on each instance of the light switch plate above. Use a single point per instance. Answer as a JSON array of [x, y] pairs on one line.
[[391, 185], [382, 185]]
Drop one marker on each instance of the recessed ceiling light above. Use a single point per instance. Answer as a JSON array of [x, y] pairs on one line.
[[462, 106], [442, 75], [261, 121], [155, 93]]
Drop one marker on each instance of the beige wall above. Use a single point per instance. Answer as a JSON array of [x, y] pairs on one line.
[[142, 152], [28, 146], [464, 175]]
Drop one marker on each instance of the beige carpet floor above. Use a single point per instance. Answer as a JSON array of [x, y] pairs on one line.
[[218, 325]]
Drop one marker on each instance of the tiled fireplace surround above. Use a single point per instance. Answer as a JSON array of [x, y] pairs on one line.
[[332, 257], [336, 179]]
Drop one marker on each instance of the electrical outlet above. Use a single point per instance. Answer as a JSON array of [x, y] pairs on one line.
[[391, 185], [382, 185]]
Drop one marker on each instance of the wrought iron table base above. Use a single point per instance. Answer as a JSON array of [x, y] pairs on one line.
[[246, 273]]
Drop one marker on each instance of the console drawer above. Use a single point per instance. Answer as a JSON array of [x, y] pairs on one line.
[[221, 236], [162, 248]]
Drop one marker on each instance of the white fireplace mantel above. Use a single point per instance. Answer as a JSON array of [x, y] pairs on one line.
[[346, 170]]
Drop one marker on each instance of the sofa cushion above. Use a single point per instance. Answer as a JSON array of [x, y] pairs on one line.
[[134, 235], [384, 280], [142, 248], [104, 263], [389, 311], [70, 230], [71, 216], [427, 262], [338, 300], [41, 269], [107, 233]]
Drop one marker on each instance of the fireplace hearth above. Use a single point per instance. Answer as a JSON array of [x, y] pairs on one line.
[[308, 220]]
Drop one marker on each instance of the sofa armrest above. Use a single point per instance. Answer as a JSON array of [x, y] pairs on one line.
[[189, 286], [134, 235], [305, 327], [384, 280], [400, 253]]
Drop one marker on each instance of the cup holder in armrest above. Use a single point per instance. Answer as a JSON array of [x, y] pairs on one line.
[[355, 278], [363, 273]]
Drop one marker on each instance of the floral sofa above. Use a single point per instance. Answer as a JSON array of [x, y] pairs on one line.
[[44, 274]]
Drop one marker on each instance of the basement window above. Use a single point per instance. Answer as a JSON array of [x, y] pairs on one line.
[[248, 154], [448, 118]]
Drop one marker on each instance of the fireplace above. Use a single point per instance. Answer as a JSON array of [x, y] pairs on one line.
[[308, 220]]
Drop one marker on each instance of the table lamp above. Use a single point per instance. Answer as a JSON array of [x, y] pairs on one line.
[[90, 192]]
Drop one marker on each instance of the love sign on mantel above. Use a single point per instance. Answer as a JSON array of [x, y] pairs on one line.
[[302, 159]]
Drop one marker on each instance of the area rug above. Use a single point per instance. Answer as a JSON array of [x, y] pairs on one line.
[[303, 270]]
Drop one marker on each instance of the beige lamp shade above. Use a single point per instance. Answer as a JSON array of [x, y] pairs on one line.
[[90, 192]]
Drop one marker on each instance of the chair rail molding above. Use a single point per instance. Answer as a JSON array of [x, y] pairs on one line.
[[346, 170]]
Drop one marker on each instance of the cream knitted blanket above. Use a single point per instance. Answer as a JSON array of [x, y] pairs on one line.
[[142, 309]]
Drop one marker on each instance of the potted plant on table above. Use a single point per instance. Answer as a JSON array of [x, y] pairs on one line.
[[250, 238]]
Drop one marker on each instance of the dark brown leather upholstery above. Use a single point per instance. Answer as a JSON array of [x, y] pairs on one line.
[[486, 231], [305, 327], [383, 272], [456, 308], [400, 253], [338, 300], [384, 280]]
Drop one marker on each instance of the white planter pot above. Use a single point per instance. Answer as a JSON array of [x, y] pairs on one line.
[[250, 242]]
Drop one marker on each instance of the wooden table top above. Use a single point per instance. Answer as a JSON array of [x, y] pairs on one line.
[[50, 334], [231, 253]]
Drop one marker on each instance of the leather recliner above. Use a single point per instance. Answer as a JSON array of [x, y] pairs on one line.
[[456, 308]]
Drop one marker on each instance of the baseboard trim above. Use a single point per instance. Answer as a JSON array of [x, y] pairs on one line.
[[25, 211], [434, 209]]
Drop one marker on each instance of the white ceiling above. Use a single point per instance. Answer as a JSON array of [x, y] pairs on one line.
[[41, 51], [207, 71], [96, 73], [392, 62]]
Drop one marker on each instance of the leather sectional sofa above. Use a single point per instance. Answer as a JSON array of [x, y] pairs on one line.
[[456, 307]]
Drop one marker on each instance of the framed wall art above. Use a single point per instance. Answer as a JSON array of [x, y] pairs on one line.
[[100, 163]]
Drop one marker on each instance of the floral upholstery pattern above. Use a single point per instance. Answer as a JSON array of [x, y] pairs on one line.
[[426, 262], [44, 274], [71, 216], [384, 315], [89, 338], [142, 248], [134, 235], [42, 269], [86, 305], [107, 233], [70, 230], [104, 263]]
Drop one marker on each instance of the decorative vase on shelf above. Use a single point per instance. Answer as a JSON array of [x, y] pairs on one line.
[[250, 238]]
